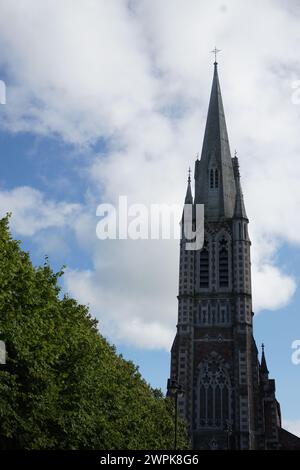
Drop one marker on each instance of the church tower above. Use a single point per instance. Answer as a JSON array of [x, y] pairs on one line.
[[228, 399]]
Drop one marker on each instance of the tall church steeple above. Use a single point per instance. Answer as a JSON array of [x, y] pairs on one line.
[[214, 357], [215, 185]]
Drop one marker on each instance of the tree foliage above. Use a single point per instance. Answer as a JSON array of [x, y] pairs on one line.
[[64, 386]]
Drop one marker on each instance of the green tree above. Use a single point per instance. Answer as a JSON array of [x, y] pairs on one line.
[[64, 386]]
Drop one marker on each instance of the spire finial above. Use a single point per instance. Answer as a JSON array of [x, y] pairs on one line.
[[197, 155], [189, 177], [235, 154], [262, 347], [215, 51]]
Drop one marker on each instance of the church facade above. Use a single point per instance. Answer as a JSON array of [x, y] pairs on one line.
[[227, 399]]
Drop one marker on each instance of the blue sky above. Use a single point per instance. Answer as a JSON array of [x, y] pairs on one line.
[[110, 98]]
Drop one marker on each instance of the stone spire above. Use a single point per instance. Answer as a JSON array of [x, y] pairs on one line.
[[218, 196], [239, 208], [263, 364], [189, 197]]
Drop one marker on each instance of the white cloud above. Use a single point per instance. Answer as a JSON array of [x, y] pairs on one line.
[[125, 321], [87, 74], [138, 74], [271, 288], [132, 297], [32, 212]]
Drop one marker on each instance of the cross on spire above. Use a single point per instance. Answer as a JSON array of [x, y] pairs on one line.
[[189, 177], [215, 51]]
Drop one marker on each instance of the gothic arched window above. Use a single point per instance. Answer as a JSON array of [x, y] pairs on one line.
[[216, 178], [204, 266], [214, 394], [223, 263], [211, 179]]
